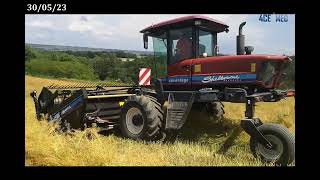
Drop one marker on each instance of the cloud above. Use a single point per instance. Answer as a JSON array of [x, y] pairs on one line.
[[80, 26], [122, 31], [40, 24], [47, 22], [97, 28]]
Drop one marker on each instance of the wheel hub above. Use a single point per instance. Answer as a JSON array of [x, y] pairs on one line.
[[134, 120], [273, 153], [137, 120]]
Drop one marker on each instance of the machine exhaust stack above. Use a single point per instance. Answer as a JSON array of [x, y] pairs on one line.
[[240, 41]]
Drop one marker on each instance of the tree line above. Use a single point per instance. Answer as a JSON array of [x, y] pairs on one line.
[[85, 65]]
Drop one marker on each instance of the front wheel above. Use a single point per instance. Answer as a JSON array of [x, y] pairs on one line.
[[141, 118], [282, 151]]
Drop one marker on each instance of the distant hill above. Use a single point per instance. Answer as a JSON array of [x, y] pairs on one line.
[[76, 48]]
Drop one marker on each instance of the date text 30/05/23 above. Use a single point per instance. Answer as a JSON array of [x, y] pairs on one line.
[[46, 8]]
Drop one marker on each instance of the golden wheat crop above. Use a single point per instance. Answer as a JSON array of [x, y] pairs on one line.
[[198, 146]]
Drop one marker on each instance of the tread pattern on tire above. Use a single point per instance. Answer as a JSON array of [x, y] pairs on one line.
[[153, 112], [281, 132], [218, 110]]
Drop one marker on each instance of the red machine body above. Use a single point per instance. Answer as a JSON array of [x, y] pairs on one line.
[[200, 70], [234, 71]]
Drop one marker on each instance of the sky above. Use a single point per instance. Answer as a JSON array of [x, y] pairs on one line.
[[122, 31]]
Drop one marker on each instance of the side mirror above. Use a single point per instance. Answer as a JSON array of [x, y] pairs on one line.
[[145, 41]]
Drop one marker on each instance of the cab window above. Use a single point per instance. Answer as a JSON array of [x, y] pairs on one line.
[[207, 44], [181, 44], [160, 56]]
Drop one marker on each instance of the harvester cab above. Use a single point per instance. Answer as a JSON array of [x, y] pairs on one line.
[[180, 39]]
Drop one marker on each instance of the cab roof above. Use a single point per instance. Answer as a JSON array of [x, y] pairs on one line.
[[187, 21]]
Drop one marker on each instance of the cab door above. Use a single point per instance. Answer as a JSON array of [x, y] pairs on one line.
[[179, 75], [206, 47], [180, 55]]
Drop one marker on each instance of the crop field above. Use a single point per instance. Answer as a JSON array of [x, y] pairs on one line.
[[201, 143]]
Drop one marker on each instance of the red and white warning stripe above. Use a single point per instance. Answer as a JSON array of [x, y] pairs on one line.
[[144, 76]]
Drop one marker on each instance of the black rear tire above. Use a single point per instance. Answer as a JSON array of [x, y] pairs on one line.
[[140, 118], [215, 110], [283, 151]]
